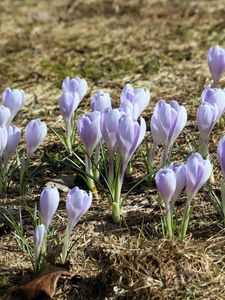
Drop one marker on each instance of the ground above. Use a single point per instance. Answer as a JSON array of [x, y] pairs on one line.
[[160, 45]]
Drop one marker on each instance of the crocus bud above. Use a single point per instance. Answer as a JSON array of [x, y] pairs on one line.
[[89, 131], [77, 204], [75, 85], [13, 140], [221, 154], [35, 134], [13, 99], [3, 139], [214, 96], [166, 183], [180, 172], [39, 233], [216, 62], [49, 202], [68, 103], [109, 127], [5, 115], [167, 122], [130, 108], [129, 136], [100, 101], [198, 171], [138, 97], [207, 116]]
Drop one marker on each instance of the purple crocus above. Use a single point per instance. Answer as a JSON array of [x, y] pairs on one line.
[[13, 99], [68, 103], [216, 62], [214, 96], [5, 115], [77, 204], [130, 108], [167, 122], [138, 97], [130, 134], [221, 154], [3, 139], [207, 116], [198, 171], [49, 202], [13, 140], [89, 131], [166, 183], [35, 134], [100, 101], [180, 172], [75, 85], [39, 234]]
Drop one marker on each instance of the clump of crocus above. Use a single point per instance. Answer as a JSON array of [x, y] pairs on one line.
[[216, 63], [221, 157], [126, 138], [35, 133], [166, 183], [134, 100], [207, 116], [100, 101], [88, 128], [167, 122], [13, 99], [198, 171], [77, 204]]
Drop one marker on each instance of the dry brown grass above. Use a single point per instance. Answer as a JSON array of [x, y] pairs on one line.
[[157, 44]]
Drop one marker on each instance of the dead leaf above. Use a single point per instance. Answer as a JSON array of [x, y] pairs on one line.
[[45, 283]]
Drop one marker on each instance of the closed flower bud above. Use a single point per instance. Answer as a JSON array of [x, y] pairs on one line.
[[13, 99], [35, 134], [216, 62], [68, 103], [100, 101], [214, 96], [13, 140], [3, 139], [49, 202], [75, 85]]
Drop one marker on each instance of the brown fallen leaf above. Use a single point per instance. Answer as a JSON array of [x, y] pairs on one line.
[[44, 284]]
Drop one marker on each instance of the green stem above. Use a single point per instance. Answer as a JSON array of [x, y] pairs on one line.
[[185, 221], [90, 181], [65, 246], [169, 221], [23, 173]]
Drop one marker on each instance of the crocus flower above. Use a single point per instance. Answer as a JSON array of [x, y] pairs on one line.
[[49, 202], [198, 171], [89, 131], [180, 172], [77, 204], [167, 122], [13, 140], [130, 108], [130, 134], [39, 233], [35, 134], [13, 99], [166, 183], [207, 116], [216, 62], [3, 139], [214, 96], [5, 115], [221, 154], [138, 97], [75, 85], [109, 127], [68, 103], [100, 101]]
